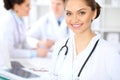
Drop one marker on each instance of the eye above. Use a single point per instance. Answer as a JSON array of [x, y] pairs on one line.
[[82, 13], [68, 13], [27, 5]]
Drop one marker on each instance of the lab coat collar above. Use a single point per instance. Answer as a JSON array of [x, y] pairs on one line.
[[17, 19], [89, 47], [55, 19], [61, 18], [79, 60]]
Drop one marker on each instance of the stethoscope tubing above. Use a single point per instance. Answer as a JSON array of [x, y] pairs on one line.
[[88, 58], [65, 46], [66, 52]]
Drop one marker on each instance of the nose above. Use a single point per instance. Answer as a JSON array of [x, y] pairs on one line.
[[29, 8], [75, 19]]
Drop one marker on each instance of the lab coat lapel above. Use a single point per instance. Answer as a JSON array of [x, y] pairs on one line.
[[66, 63], [20, 34], [80, 59], [51, 27], [53, 21], [54, 28]]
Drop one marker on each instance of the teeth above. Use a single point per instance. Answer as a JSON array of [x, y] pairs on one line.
[[76, 25]]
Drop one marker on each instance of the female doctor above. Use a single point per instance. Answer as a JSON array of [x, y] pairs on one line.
[[13, 29], [84, 56]]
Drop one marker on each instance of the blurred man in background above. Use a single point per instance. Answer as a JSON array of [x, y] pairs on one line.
[[50, 27]]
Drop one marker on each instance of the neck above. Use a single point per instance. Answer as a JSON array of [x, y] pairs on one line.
[[19, 15], [82, 40], [60, 15], [84, 36]]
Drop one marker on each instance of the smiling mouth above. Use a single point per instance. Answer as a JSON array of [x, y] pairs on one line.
[[77, 25]]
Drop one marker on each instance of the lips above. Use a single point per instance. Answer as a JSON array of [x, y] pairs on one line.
[[77, 25]]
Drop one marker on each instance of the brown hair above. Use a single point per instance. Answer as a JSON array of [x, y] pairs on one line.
[[9, 4], [93, 4], [63, 1]]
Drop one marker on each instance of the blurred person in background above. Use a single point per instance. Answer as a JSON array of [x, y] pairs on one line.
[[13, 30], [50, 27]]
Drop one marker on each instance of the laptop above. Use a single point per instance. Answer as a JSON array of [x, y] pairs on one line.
[[19, 74]]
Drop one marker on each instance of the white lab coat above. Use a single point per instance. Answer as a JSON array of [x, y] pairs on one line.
[[13, 34], [4, 56], [47, 28], [104, 64], [2, 62]]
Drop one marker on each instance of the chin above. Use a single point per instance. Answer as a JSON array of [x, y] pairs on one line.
[[26, 14]]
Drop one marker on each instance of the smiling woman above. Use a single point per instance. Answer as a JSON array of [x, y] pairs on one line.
[[87, 56], [81, 15]]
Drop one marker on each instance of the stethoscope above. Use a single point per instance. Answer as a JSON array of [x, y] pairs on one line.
[[66, 52]]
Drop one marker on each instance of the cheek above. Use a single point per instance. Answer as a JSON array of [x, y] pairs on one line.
[[87, 19], [67, 21], [26, 10]]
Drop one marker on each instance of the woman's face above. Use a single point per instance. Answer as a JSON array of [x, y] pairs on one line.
[[23, 9], [79, 16]]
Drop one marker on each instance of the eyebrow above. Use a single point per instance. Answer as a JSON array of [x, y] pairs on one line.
[[77, 10]]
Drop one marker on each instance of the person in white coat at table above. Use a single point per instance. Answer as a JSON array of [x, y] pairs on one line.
[[50, 27], [13, 30], [85, 55]]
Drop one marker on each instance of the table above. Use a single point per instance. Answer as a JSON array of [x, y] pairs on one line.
[[39, 66]]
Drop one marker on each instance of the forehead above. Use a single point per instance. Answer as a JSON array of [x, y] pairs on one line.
[[75, 4], [56, 0]]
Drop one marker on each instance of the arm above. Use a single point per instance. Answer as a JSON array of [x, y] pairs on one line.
[[34, 34], [113, 64]]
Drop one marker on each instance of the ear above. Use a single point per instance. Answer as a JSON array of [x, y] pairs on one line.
[[94, 14], [16, 7]]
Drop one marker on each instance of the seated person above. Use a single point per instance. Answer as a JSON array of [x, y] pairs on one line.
[[13, 30], [50, 27]]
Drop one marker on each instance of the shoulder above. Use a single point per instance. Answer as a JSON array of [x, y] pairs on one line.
[[111, 57], [107, 49], [44, 17], [6, 16], [41, 21], [61, 42], [7, 21], [107, 45]]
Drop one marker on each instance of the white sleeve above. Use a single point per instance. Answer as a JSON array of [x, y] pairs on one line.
[[8, 39], [36, 28], [113, 64], [56, 48], [34, 34]]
